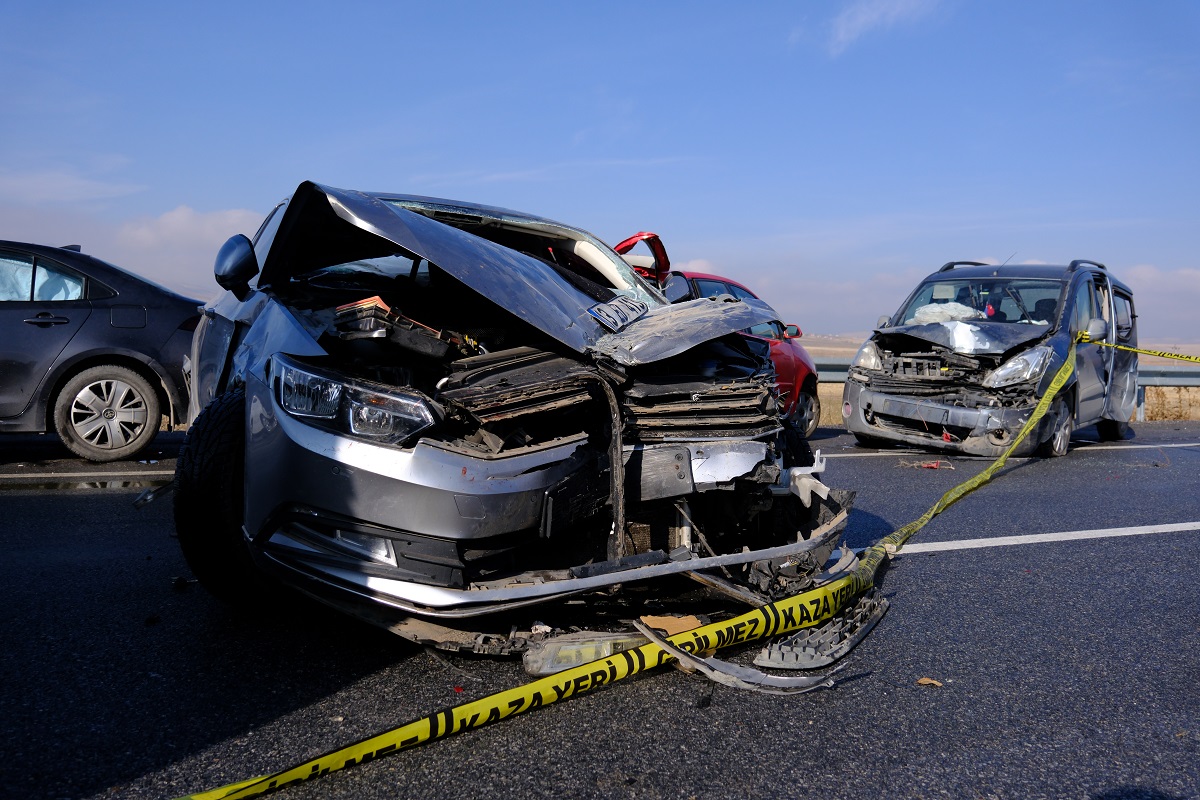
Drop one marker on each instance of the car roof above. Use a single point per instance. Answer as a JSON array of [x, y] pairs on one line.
[[1057, 272], [104, 271], [707, 276]]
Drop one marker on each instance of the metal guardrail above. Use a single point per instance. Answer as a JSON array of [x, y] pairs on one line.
[[835, 371]]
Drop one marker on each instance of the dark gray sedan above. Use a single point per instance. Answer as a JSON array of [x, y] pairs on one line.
[[89, 350]]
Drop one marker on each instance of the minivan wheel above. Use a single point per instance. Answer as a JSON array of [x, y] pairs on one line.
[[1111, 430], [871, 441], [209, 488], [1060, 437], [106, 413]]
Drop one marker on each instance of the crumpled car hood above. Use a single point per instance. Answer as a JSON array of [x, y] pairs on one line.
[[976, 336], [669, 330], [323, 227]]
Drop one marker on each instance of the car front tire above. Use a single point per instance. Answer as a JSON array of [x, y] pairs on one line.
[[209, 488], [1060, 438], [807, 414], [871, 441], [107, 413], [1110, 430]]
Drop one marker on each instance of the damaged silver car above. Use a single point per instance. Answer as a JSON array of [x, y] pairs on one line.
[[962, 363], [427, 412]]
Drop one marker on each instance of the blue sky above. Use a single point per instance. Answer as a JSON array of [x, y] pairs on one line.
[[828, 154]]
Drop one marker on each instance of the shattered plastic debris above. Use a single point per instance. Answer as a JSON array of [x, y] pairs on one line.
[[937, 463], [572, 649], [824, 644], [736, 676], [928, 682], [673, 625]]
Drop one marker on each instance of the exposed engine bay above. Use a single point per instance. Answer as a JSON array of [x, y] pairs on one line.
[[455, 412]]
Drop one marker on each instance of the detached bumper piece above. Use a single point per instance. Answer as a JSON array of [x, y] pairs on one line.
[[820, 646], [736, 676]]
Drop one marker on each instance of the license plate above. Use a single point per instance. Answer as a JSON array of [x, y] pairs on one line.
[[619, 312]]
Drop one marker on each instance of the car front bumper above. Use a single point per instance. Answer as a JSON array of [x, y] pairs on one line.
[[981, 431], [313, 498]]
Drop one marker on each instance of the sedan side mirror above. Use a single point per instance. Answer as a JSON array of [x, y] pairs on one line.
[[1097, 329], [236, 265], [677, 288], [883, 321], [793, 332]]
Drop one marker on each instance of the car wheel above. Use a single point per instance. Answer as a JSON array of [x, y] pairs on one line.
[[209, 487], [807, 414], [106, 413], [1060, 437], [1111, 430]]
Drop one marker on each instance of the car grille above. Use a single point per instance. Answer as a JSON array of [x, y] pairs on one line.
[[657, 412], [932, 430]]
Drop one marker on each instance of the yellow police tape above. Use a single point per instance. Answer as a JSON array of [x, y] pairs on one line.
[[1083, 337], [803, 610], [896, 539], [809, 608]]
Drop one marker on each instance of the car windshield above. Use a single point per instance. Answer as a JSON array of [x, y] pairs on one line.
[[990, 299]]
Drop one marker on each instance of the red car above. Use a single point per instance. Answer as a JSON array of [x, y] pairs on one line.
[[796, 374]]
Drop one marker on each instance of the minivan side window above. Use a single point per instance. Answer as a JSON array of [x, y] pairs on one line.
[[1125, 316], [1085, 306]]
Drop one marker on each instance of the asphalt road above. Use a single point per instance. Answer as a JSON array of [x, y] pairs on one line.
[[1068, 668]]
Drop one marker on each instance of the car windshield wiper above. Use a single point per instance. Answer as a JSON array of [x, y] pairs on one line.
[[1016, 299]]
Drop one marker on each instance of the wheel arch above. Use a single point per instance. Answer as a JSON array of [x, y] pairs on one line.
[[168, 398]]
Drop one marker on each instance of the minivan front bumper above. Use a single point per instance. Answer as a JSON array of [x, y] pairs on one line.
[[981, 431]]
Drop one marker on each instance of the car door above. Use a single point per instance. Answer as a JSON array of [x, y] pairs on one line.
[[42, 306], [1091, 360], [1122, 390]]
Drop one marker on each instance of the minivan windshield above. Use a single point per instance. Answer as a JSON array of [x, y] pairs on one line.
[[1020, 300]]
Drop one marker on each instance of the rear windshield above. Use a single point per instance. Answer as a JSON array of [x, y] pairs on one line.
[[1022, 300]]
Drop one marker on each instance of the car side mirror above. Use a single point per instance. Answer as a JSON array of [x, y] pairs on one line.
[[793, 332], [236, 265], [1097, 329], [677, 288], [883, 321]]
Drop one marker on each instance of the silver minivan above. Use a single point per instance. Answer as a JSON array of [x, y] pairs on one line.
[[962, 363]]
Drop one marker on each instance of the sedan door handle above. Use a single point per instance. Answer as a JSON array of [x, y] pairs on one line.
[[46, 319]]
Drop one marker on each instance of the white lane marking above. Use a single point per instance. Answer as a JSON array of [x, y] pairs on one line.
[[1081, 446], [880, 454], [1037, 538], [1090, 446], [83, 476]]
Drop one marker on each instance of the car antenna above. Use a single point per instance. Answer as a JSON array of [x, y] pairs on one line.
[[1009, 258]]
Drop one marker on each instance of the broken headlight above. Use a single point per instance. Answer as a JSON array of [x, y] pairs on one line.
[[1028, 366], [373, 413], [867, 357]]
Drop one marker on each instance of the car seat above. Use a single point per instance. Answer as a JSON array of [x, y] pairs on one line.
[[1043, 310]]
